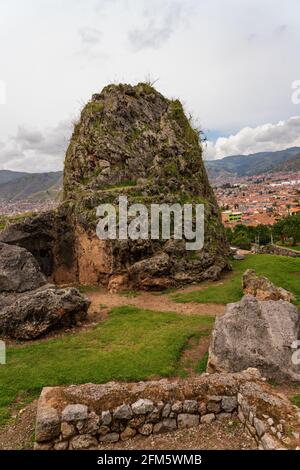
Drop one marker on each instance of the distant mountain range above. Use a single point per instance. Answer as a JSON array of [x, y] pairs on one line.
[[255, 164], [42, 187], [34, 187]]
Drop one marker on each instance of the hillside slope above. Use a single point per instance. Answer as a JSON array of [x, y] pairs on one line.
[[34, 187], [255, 164], [8, 175]]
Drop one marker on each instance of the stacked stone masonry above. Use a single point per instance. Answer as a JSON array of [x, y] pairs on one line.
[[88, 416], [276, 250]]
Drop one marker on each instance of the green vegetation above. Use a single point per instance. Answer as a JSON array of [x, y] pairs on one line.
[[85, 180], [285, 232], [5, 219], [84, 289], [282, 270], [242, 241], [177, 113], [130, 294], [189, 362], [296, 248], [133, 344], [94, 107], [125, 184], [201, 366], [296, 400], [242, 236]]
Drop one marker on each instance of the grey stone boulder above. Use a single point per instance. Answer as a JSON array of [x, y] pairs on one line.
[[208, 419], [187, 420], [75, 412], [229, 404], [142, 407], [110, 437], [123, 412], [47, 424], [190, 406], [19, 270], [146, 429], [166, 425], [83, 442], [106, 417], [35, 313], [257, 334]]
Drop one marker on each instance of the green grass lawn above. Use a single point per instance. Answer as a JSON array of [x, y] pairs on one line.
[[296, 248], [282, 270], [289, 247], [132, 344]]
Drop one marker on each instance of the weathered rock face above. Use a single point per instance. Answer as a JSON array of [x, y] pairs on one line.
[[129, 141], [263, 289], [19, 270], [35, 313], [29, 307], [50, 238], [259, 334]]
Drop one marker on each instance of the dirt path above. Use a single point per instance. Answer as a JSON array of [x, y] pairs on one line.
[[103, 301]]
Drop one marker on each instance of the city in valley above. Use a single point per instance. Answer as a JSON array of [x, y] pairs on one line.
[[249, 200], [256, 200]]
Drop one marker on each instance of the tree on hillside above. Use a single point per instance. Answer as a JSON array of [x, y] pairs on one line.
[[288, 229], [229, 234], [241, 240], [264, 234]]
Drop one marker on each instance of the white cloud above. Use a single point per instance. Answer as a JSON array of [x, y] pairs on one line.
[[231, 63], [2, 92], [90, 36], [157, 29], [268, 137], [36, 151]]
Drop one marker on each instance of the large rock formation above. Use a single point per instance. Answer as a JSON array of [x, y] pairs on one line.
[[19, 270], [29, 307], [259, 334], [263, 289], [129, 141], [36, 313], [49, 236]]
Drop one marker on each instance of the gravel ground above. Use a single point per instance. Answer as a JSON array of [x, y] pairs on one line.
[[218, 435]]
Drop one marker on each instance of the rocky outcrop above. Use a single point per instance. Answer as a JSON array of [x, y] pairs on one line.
[[129, 141], [89, 416], [50, 238], [29, 307], [36, 313], [263, 289], [19, 270], [255, 333]]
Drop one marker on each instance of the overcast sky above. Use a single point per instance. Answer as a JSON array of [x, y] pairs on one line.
[[232, 63]]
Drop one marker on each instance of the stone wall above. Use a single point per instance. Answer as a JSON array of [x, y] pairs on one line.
[[276, 250], [88, 416]]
